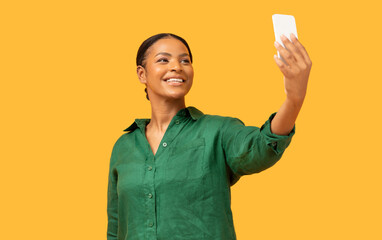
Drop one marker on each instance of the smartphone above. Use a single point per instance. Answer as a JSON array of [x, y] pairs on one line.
[[283, 24]]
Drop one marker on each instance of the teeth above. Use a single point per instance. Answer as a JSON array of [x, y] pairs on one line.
[[174, 80]]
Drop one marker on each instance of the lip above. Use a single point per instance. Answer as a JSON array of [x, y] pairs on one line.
[[179, 77], [174, 83]]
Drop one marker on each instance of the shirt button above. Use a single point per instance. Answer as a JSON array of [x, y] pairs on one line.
[[164, 144], [177, 122], [151, 224], [150, 195], [274, 143], [149, 168]]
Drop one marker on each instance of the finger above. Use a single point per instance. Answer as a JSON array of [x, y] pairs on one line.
[[301, 49], [286, 54], [283, 67], [294, 50]]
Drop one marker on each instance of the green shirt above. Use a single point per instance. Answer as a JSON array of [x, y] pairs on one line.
[[183, 191]]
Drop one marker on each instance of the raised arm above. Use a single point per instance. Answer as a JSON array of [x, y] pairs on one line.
[[296, 74]]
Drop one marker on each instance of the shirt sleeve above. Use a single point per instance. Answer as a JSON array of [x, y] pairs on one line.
[[112, 198], [251, 149]]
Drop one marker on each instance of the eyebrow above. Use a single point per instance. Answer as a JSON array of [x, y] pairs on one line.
[[168, 54]]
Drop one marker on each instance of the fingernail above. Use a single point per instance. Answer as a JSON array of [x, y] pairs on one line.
[[283, 37], [276, 44]]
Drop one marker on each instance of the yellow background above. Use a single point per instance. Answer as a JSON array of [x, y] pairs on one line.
[[69, 88]]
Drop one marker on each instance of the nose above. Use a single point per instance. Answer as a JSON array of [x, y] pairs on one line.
[[175, 66]]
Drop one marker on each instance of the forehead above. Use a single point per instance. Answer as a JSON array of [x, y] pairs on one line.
[[169, 45]]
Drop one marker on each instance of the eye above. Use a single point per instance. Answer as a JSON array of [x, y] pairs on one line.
[[162, 60], [186, 60]]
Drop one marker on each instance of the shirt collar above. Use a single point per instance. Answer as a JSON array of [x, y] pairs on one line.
[[190, 111], [195, 113]]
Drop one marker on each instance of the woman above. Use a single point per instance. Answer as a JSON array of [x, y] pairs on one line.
[[170, 176]]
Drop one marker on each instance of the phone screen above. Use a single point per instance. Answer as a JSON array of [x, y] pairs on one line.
[[283, 24]]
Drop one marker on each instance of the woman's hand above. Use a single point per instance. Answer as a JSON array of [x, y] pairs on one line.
[[296, 70]]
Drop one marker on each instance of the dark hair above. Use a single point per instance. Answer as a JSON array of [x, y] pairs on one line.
[[141, 55]]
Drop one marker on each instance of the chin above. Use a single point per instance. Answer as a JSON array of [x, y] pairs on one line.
[[177, 95]]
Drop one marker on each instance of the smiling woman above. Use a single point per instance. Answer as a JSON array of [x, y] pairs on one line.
[[143, 53], [170, 176]]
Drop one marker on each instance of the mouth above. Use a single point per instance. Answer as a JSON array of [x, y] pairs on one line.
[[174, 80]]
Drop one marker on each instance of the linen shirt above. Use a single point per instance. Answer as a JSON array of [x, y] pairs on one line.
[[183, 191]]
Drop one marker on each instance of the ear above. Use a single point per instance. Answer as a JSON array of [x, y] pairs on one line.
[[141, 72]]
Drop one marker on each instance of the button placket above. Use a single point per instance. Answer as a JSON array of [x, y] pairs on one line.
[[150, 167], [171, 132]]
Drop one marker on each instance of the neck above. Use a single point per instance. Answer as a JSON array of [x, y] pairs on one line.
[[162, 112]]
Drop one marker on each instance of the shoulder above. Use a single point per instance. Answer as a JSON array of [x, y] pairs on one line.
[[222, 120], [121, 140], [196, 114], [219, 123]]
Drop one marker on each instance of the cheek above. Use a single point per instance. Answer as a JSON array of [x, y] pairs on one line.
[[190, 73], [155, 72]]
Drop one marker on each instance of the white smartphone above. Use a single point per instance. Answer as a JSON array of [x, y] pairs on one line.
[[283, 24]]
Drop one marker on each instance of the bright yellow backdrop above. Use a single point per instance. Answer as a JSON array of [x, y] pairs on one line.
[[69, 88]]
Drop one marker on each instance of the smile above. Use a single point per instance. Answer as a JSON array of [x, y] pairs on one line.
[[175, 80]]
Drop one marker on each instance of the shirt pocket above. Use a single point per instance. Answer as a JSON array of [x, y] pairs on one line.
[[186, 161]]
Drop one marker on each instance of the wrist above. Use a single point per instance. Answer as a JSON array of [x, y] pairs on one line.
[[296, 101]]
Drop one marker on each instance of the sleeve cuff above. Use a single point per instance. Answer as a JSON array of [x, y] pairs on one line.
[[278, 143]]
